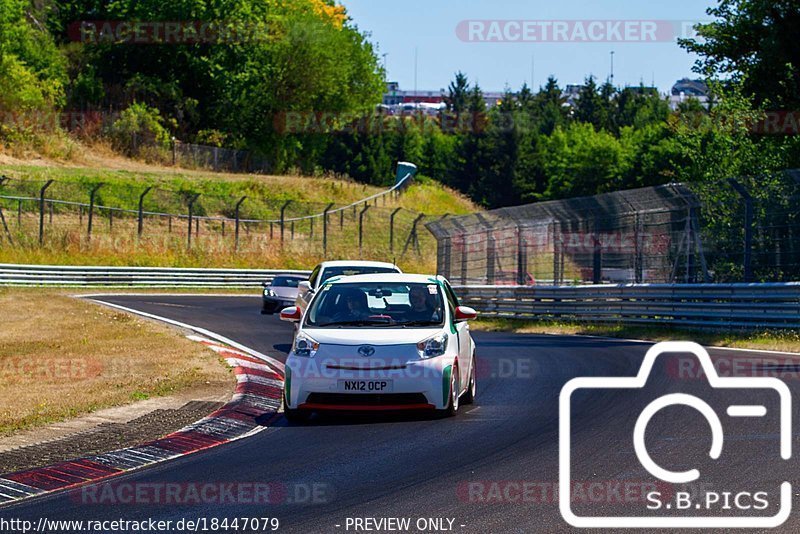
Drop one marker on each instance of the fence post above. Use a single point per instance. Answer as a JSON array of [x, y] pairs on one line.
[[236, 231], [4, 179], [140, 225], [748, 228], [444, 256], [41, 210], [361, 230], [292, 231], [522, 259], [283, 212], [412, 236], [19, 213], [490, 261], [597, 260], [5, 226], [556, 251], [174, 152], [638, 260], [90, 215], [341, 219], [325, 230], [464, 259], [391, 229], [311, 234], [192, 200]]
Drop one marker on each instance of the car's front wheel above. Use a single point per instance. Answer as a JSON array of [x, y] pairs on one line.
[[469, 395], [455, 388], [294, 415]]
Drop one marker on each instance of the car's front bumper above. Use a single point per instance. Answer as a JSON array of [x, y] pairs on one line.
[[313, 384], [275, 304]]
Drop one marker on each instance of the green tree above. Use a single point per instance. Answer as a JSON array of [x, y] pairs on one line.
[[592, 106], [754, 42], [457, 94], [550, 107], [581, 161]]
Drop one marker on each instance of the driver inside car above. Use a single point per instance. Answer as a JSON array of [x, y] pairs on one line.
[[352, 306]]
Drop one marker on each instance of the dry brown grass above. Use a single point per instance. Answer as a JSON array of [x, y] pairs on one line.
[[61, 357], [66, 243]]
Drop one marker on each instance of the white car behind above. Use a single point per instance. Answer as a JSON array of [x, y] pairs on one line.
[[329, 269], [380, 342]]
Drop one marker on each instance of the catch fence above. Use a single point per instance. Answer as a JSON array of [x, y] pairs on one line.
[[742, 230]]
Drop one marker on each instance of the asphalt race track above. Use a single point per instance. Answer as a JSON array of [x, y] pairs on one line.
[[469, 468]]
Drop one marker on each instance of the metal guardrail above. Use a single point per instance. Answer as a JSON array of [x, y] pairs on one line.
[[149, 277], [693, 305]]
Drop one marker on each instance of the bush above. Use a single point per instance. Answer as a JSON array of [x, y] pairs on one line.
[[137, 127], [21, 90]]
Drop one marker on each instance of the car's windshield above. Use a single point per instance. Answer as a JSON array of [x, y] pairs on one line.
[[378, 304], [330, 272], [285, 281]]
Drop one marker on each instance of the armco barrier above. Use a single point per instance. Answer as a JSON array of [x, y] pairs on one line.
[[694, 305], [150, 277]]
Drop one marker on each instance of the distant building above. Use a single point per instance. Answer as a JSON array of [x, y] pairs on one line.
[[395, 97], [571, 93], [684, 89]]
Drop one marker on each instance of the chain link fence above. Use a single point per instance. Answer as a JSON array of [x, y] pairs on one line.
[[742, 230], [70, 214]]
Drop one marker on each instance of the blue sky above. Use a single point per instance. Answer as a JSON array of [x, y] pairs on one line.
[[430, 27]]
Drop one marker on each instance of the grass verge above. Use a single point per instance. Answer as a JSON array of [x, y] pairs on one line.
[[164, 240], [61, 357], [783, 341]]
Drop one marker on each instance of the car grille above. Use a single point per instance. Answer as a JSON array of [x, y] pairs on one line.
[[367, 399]]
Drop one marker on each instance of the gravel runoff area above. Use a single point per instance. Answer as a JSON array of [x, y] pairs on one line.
[[106, 437]]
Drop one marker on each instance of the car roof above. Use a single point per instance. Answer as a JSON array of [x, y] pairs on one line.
[[394, 278], [356, 263]]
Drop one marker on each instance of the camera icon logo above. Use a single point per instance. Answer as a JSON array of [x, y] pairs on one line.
[[642, 454]]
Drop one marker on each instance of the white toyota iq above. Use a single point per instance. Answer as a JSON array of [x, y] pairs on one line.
[[380, 342]]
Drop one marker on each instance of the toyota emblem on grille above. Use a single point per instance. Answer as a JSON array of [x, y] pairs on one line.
[[366, 350]]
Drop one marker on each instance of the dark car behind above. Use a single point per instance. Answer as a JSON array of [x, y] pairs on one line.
[[280, 293]]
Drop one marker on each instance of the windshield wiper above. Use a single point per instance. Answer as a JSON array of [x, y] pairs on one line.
[[355, 323], [421, 323]]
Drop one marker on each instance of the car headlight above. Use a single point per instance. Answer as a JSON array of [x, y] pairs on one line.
[[433, 346], [305, 346], [269, 293]]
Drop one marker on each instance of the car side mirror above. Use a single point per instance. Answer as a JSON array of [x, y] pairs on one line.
[[465, 313], [304, 287], [291, 314]]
